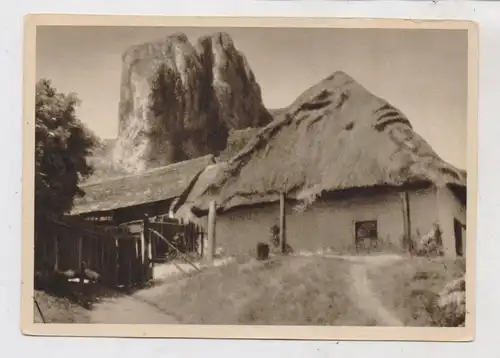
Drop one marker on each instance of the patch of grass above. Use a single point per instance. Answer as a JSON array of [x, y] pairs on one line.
[[280, 291], [411, 287], [313, 295]]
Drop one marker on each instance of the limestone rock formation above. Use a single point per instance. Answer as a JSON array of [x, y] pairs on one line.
[[179, 101]]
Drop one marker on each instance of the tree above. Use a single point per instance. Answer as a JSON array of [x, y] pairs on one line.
[[62, 144]]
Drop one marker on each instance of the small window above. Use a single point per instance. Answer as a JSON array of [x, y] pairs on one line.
[[366, 235], [366, 230]]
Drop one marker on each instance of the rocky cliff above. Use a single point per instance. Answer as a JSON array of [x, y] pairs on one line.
[[179, 101]]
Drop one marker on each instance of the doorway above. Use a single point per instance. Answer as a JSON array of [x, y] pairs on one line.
[[458, 237]]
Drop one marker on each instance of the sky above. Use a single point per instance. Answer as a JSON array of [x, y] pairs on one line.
[[421, 72]]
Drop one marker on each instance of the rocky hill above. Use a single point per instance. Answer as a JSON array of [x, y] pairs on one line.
[[179, 101]]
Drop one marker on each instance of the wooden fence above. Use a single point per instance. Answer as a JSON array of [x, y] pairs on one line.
[[115, 253], [122, 255]]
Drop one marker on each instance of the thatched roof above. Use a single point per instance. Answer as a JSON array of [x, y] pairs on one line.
[[236, 141], [150, 186], [336, 135]]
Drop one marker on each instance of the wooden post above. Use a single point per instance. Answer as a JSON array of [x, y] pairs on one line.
[[56, 253], [192, 238], [80, 258], [154, 246], [146, 260], [131, 258], [101, 242], [80, 250], [202, 243], [282, 223], [211, 232], [116, 262], [406, 219]]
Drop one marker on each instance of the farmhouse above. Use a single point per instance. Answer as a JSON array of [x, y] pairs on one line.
[[354, 172], [128, 198]]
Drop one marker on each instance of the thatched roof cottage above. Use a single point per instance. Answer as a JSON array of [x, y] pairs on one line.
[[353, 170]]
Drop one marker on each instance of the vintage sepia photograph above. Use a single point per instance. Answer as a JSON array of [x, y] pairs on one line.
[[249, 178]]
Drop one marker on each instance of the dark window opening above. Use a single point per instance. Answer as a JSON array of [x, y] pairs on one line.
[[366, 234]]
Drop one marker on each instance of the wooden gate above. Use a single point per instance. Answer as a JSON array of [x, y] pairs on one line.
[[186, 238]]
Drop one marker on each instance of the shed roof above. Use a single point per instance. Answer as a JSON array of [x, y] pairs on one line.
[[153, 185]]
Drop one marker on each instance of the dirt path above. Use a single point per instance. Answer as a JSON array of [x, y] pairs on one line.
[[138, 307], [361, 287], [129, 310], [362, 292], [367, 300]]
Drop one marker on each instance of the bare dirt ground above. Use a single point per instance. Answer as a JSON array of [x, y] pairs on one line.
[[140, 307], [249, 292], [130, 310]]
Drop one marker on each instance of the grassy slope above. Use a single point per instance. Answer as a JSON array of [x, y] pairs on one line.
[[408, 287], [286, 291]]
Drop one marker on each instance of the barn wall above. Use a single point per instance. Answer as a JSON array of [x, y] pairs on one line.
[[326, 223], [450, 208]]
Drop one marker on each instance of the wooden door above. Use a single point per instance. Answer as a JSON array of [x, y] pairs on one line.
[[458, 237]]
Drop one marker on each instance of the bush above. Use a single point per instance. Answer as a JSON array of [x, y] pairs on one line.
[[428, 245], [448, 310]]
